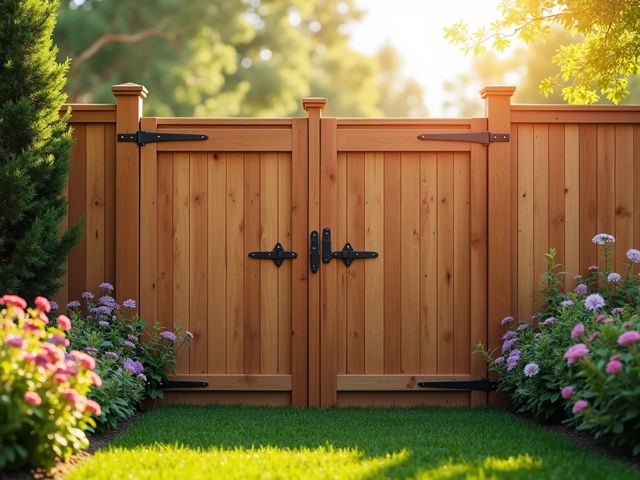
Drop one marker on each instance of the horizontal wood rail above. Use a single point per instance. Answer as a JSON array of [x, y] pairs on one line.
[[230, 140], [351, 383]]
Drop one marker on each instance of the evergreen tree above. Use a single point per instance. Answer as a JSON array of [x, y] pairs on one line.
[[35, 146]]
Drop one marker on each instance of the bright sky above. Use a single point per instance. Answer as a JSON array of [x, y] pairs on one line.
[[416, 29]]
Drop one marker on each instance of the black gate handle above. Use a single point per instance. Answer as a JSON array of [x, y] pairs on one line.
[[347, 254], [278, 255], [314, 252]]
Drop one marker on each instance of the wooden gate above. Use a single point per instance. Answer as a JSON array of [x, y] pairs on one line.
[[416, 311]]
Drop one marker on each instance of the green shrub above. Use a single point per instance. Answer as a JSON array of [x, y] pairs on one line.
[[578, 359], [132, 362], [43, 408]]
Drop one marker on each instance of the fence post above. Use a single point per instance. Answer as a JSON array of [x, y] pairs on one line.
[[129, 97], [500, 221], [314, 106]]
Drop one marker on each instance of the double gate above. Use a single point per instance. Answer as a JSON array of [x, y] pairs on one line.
[[317, 261]]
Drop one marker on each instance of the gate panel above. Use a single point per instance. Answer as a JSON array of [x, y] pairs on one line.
[[205, 207], [416, 312]]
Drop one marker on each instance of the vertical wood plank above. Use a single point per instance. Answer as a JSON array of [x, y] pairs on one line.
[[181, 203], [94, 209], [392, 236], [461, 264], [251, 267], [514, 199], [556, 190], [445, 262], [300, 314], [588, 194], [572, 202], [636, 187], [525, 221], [148, 227], [374, 269], [284, 227], [235, 262], [269, 295], [606, 178], [624, 211], [62, 296], [165, 240], [428, 262], [339, 237], [77, 205], [110, 201], [410, 261], [540, 204], [355, 273], [217, 262], [198, 278]]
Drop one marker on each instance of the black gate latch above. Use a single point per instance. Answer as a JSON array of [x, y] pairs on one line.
[[277, 254], [142, 138], [484, 385]]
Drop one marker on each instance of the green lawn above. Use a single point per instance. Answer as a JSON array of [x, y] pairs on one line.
[[270, 443]]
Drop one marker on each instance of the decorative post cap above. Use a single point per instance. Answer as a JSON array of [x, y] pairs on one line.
[[492, 90], [314, 102], [129, 89]]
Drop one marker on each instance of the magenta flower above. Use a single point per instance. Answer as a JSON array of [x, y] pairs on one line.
[[566, 392], [576, 352], [603, 319], [579, 406], [603, 239], [13, 340], [531, 369], [577, 331], [613, 367], [506, 320], [633, 255], [594, 302], [629, 338], [581, 289]]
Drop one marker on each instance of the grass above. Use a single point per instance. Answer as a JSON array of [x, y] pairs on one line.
[[282, 443]]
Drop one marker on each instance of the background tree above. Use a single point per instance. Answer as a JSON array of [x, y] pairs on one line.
[[599, 61], [35, 145], [220, 57]]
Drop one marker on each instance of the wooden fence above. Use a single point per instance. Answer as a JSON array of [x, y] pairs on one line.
[[460, 229]]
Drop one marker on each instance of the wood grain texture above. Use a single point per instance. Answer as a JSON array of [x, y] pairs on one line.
[[588, 172], [623, 206], [572, 202], [445, 262], [526, 282]]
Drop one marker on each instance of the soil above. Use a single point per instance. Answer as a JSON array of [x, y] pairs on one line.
[[58, 472]]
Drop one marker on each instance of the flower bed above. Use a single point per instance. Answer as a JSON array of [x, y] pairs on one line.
[[578, 359]]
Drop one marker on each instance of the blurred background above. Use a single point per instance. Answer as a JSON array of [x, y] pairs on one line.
[[260, 57]]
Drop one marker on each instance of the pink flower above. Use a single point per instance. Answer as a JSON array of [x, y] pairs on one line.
[[86, 360], [13, 301], [13, 340], [576, 352], [94, 408], [567, 391], [60, 378], [579, 406], [33, 398], [96, 380], [629, 338], [74, 398], [577, 331], [613, 367], [43, 304], [63, 322]]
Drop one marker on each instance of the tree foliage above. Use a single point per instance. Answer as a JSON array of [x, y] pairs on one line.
[[221, 57], [599, 61], [35, 145]]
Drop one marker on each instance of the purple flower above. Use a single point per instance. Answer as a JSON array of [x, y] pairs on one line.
[[613, 367], [107, 300], [103, 323], [593, 268], [549, 321], [87, 295], [134, 366], [567, 303], [579, 406], [133, 338], [509, 334], [522, 326], [106, 286], [531, 369], [594, 302], [577, 331], [54, 305], [129, 344], [112, 355], [168, 336], [499, 360], [512, 360], [506, 320], [617, 310], [73, 304], [188, 334], [130, 303], [93, 351], [13, 340], [614, 277], [581, 289], [101, 310], [142, 377], [633, 255], [576, 352], [603, 239], [537, 335], [603, 319], [508, 344]]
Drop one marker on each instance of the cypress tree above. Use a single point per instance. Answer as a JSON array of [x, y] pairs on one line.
[[35, 147]]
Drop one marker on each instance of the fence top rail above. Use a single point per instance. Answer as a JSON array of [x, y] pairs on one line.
[[575, 108], [88, 107], [223, 121], [405, 122]]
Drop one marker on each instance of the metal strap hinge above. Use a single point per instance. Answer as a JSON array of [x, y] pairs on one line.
[[485, 138], [484, 385], [142, 138]]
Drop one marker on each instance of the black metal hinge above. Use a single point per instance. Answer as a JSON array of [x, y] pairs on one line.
[[485, 138], [142, 138], [183, 384], [277, 254], [483, 385], [347, 254]]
